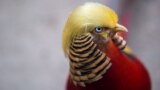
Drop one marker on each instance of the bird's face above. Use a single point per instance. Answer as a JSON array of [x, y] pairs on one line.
[[102, 35], [106, 32], [97, 19]]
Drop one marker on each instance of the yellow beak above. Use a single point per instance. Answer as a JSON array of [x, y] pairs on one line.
[[120, 28]]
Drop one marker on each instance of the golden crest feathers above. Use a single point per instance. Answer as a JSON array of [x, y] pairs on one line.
[[85, 18]]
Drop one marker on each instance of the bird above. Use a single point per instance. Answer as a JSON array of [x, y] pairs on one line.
[[98, 57]]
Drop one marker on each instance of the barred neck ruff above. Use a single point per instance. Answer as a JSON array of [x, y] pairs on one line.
[[87, 62]]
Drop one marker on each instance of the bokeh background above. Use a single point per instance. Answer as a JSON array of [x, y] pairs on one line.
[[31, 57]]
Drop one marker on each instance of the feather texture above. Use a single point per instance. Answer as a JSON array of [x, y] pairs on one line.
[[83, 20], [87, 62]]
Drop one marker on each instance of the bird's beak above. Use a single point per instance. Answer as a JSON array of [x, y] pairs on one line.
[[120, 28]]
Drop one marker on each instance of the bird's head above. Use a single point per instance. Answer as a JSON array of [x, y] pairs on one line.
[[97, 19]]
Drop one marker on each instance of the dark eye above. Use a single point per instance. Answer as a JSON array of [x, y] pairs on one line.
[[98, 29]]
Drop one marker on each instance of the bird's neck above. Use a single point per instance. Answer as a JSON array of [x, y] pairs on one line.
[[87, 62]]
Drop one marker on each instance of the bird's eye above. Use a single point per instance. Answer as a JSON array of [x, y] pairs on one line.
[[98, 29]]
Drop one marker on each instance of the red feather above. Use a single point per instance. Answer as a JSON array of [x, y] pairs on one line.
[[126, 73]]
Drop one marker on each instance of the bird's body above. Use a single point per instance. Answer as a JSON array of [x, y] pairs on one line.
[[126, 73], [95, 52]]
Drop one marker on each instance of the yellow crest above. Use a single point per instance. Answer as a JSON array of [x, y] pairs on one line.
[[84, 19]]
